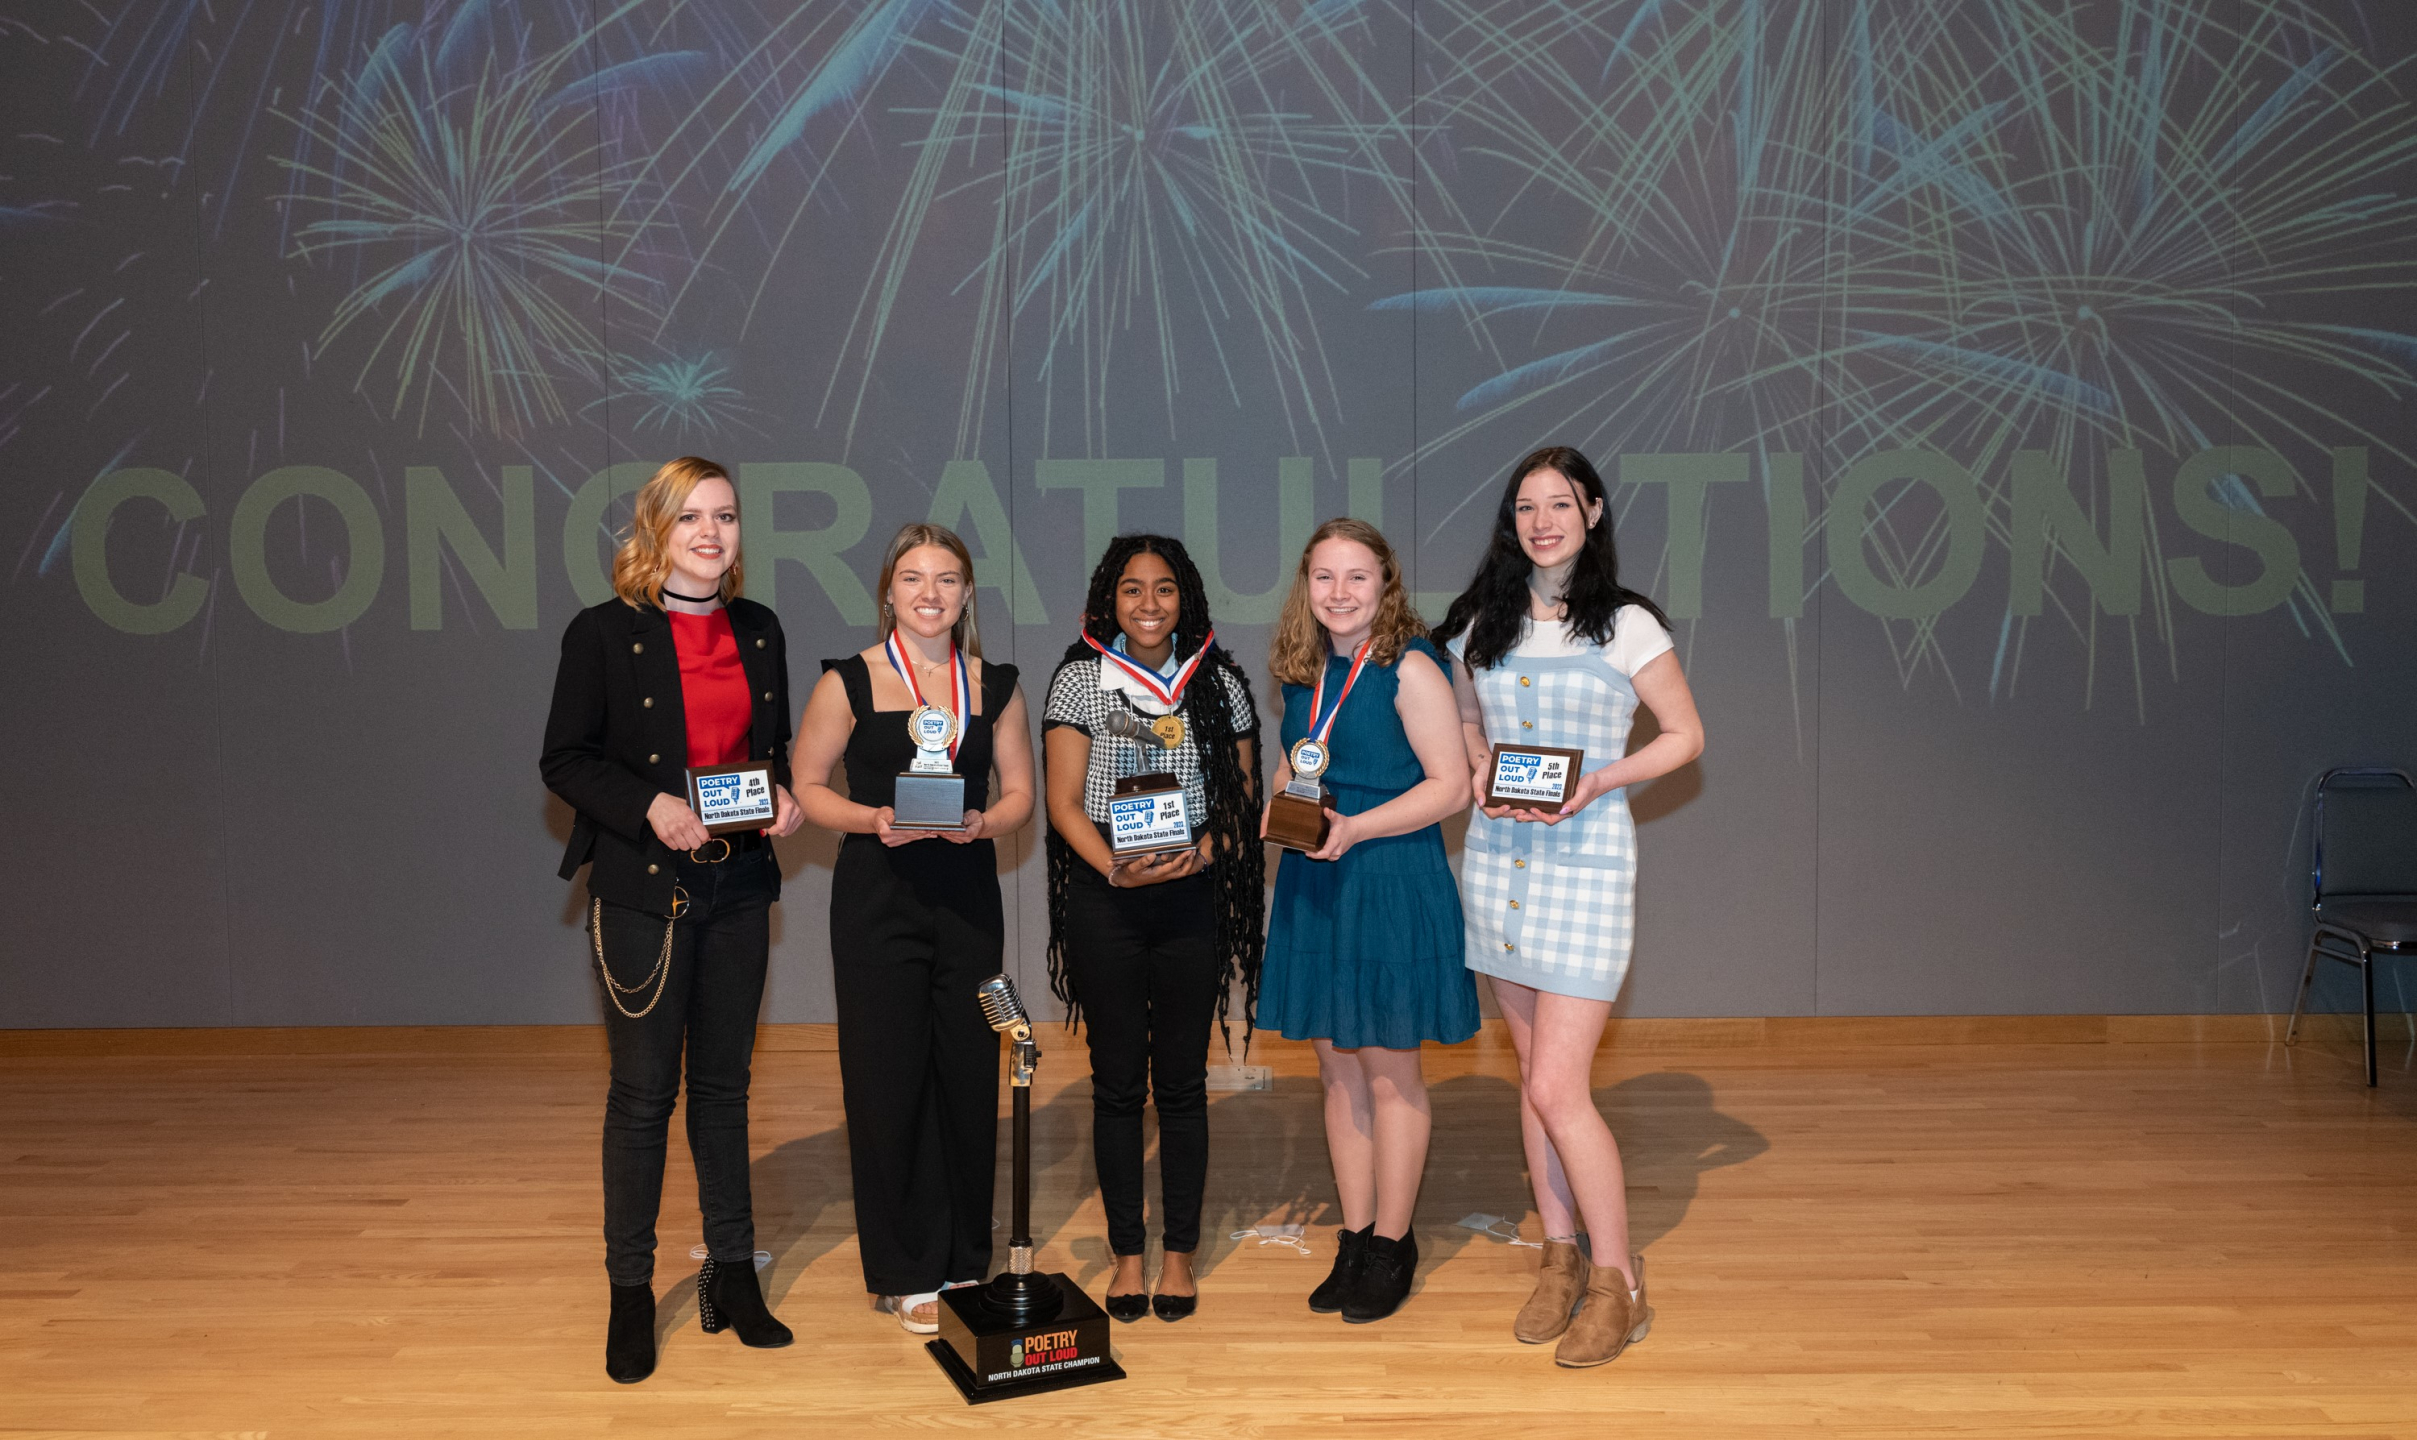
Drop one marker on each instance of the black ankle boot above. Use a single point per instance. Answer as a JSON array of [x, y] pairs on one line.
[[1383, 1282], [727, 1295], [1349, 1248], [629, 1340]]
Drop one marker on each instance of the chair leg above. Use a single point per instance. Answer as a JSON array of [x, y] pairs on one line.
[[2366, 978], [2299, 1002]]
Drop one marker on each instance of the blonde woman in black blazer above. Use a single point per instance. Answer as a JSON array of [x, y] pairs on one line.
[[675, 670]]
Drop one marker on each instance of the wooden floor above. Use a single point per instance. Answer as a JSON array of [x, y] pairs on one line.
[[1996, 1239]]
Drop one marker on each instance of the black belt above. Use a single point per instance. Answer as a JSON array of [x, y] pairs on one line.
[[723, 847]]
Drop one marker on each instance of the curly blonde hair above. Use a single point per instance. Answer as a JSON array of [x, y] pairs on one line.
[[643, 562], [967, 633], [1297, 655]]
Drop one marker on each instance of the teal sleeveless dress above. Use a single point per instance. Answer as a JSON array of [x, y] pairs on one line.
[[1368, 949]]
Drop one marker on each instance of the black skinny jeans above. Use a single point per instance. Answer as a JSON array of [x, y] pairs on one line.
[[1144, 963], [708, 1008]]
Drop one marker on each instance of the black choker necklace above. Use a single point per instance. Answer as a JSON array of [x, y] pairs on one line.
[[672, 594]]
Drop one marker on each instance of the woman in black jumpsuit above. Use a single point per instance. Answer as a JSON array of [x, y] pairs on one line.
[[916, 924]]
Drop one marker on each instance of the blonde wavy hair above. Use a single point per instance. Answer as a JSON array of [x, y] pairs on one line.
[[643, 562], [967, 633], [1297, 655]]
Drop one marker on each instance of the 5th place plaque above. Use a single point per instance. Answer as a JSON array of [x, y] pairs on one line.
[[1534, 777]]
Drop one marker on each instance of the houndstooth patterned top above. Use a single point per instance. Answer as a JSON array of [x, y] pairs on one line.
[[1081, 697]]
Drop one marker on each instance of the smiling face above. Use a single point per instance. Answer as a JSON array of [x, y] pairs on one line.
[[1346, 581], [1551, 518], [704, 537], [927, 591], [1147, 607]]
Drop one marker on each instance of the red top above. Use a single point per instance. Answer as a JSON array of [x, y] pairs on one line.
[[713, 687]]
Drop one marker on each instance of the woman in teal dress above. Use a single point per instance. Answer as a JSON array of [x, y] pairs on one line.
[[1364, 950]]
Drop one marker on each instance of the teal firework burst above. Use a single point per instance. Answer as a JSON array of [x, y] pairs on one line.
[[1998, 226], [474, 209], [679, 397], [1168, 173]]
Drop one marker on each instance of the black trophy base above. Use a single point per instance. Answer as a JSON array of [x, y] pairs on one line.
[[989, 1357]]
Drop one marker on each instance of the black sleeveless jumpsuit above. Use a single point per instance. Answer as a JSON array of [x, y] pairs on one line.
[[913, 931]]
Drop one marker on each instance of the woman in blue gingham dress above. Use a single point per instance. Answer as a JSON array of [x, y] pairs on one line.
[[1550, 649]]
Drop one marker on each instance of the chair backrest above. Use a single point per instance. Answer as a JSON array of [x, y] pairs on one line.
[[2366, 834]]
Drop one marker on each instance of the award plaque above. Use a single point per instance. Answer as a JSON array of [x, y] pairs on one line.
[[1533, 777], [1146, 816], [732, 799]]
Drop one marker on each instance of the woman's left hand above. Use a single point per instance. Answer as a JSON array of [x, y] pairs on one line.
[[1590, 789], [977, 825], [1342, 832], [786, 816]]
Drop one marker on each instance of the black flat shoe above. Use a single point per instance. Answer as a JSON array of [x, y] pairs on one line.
[[629, 1338], [1174, 1307], [728, 1297], [1349, 1246], [1383, 1282], [1127, 1308]]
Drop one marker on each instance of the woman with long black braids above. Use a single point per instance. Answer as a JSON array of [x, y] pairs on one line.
[[1144, 951]]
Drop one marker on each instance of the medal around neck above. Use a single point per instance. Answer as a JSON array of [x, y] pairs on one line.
[[732, 799], [930, 794], [1533, 777]]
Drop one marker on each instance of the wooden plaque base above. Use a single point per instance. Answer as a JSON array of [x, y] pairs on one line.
[[1295, 820]]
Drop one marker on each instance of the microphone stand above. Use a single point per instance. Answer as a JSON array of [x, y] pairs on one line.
[[1017, 1294], [1026, 1331]]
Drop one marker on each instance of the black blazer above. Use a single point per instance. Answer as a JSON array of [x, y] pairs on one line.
[[618, 736]]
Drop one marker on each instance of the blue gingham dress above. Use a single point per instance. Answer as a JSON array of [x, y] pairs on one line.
[[1554, 906]]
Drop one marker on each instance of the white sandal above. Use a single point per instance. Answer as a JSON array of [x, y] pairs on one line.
[[905, 1306]]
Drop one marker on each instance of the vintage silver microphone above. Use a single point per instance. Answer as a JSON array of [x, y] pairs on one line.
[[1016, 1293], [1125, 725]]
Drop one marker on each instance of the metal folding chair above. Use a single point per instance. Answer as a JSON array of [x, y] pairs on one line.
[[2362, 880]]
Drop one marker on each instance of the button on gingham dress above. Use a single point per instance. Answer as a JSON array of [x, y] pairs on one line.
[[1553, 906]]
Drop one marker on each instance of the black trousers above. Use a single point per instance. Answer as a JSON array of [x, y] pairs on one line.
[[913, 932], [706, 1015], [1144, 964]]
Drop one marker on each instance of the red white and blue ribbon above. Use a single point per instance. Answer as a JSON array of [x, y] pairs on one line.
[[1319, 729], [1166, 692], [896, 649]]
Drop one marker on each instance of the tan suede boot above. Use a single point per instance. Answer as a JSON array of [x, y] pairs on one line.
[[1559, 1283], [1609, 1322]]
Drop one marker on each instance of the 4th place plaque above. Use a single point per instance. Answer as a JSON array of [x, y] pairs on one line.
[[732, 799]]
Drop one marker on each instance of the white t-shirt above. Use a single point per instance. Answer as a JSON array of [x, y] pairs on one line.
[[1636, 638]]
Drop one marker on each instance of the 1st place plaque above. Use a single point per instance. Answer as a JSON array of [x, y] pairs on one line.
[[1146, 816], [1533, 777]]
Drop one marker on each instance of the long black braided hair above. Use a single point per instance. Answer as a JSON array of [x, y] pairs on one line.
[[1495, 605], [1240, 872]]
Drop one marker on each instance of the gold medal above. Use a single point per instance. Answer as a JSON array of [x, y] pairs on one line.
[[1309, 758], [1169, 730]]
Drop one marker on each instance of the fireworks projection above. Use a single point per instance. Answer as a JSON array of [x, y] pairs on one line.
[[2010, 388]]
